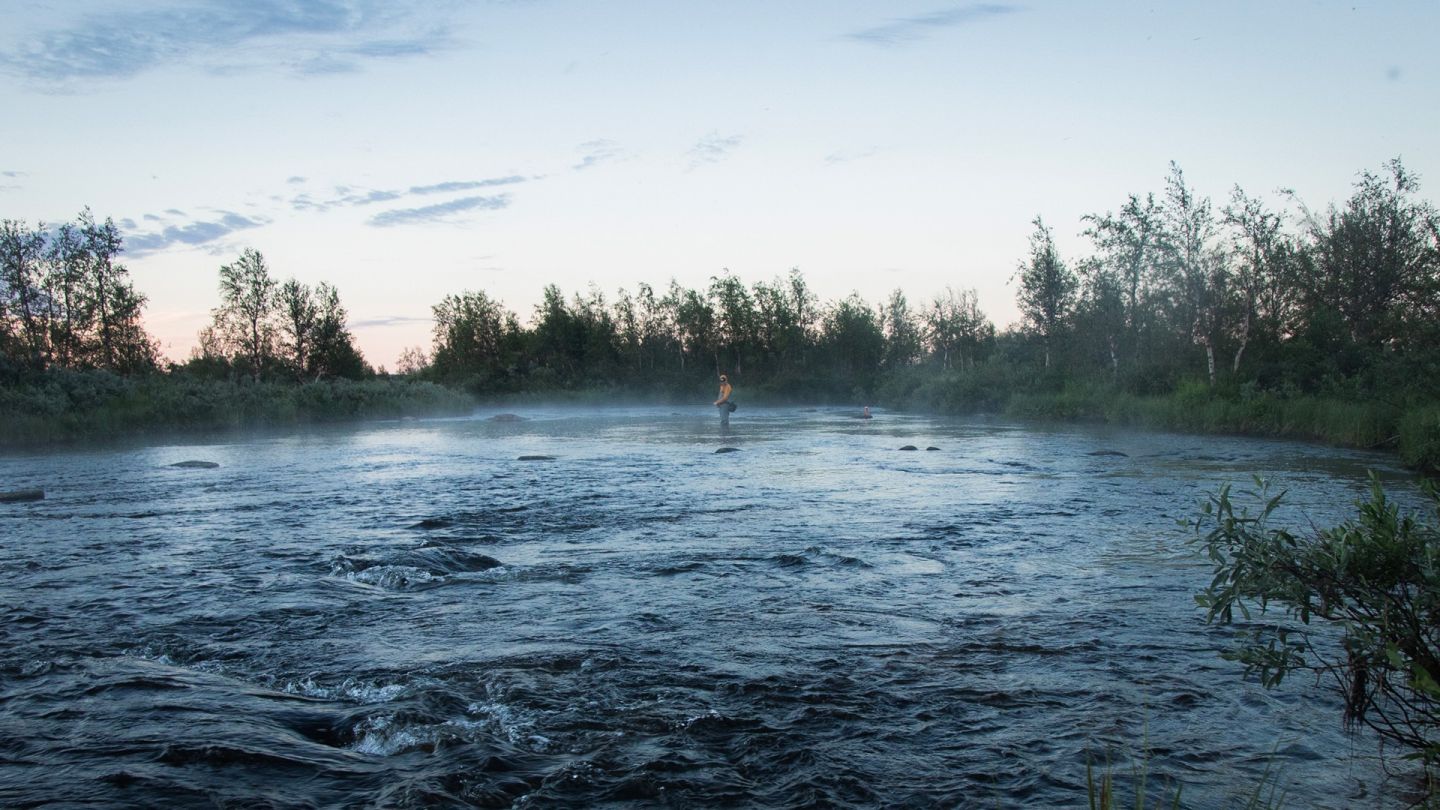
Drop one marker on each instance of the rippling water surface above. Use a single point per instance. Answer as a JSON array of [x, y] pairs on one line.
[[405, 614]]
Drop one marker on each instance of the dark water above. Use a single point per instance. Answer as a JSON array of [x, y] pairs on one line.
[[405, 615]]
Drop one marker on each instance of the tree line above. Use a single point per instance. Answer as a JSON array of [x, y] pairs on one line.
[[1174, 287], [775, 334], [1242, 297]]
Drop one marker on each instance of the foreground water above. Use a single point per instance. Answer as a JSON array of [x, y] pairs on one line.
[[406, 614]]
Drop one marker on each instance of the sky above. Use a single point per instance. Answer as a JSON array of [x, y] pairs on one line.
[[404, 151]]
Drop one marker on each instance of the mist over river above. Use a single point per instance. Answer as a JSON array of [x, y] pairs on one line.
[[405, 614]]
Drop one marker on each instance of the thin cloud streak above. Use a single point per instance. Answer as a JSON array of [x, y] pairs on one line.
[[908, 29], [382, 321], [440, 212], [466, 185]]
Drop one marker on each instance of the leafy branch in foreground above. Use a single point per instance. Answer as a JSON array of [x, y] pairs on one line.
[[1375, 577]]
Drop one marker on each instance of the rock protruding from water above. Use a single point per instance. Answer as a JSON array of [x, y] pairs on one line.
[[909, 447], [196, 465], [536, 458], [507, 417], [932, 447], [727, 450], [1108, 453], [433, 523], [20, 495]]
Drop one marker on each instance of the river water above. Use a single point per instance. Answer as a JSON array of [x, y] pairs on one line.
[[405, 614]]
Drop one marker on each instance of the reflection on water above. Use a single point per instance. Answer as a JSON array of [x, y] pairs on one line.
[[405, 614]]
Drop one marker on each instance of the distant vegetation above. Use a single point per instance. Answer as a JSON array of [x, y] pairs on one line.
[[1183, 314]]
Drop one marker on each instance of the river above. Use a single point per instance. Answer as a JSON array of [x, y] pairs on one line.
[[405, 614]]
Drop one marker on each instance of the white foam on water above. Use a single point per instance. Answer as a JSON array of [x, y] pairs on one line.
[[392, 577], [349, 689]]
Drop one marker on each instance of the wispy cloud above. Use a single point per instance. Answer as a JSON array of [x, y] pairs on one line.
[[595, 152], [908, 29], [10, 175], [713, 148], [439, 212], [192, 233], [348, 196], [307, 36]]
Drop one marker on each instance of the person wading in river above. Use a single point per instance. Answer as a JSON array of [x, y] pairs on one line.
[[724, 403]]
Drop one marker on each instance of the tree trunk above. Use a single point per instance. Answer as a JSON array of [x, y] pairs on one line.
[[1244, 338]]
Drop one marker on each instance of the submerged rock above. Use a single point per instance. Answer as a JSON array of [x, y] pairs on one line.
[[909, 447], [536, 458], [507, 417], [1107, 453], [196, 465], [728, 450], [19, 495]]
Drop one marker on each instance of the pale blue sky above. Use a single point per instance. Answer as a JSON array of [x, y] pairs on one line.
[[405, 151]]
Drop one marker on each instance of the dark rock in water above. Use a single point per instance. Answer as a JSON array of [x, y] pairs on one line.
[[432, 523], [536, 458], [507, 417], [1107, 453], [932, 447], [728, 450], [196, 465], [22, 495], [909, 447]]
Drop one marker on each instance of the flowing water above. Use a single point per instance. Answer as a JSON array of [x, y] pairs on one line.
[[406, 614]]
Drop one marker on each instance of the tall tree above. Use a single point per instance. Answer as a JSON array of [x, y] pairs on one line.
[[854, 342], [734, 321], [243, 324], [902, 332], [1266, 292], [1102, 308], [22, 252], [470, 331], [1378, 258], [113, 301], [295, 303], [1127, 245], [1047, 288], [332, 350], [1197, 265], [68, 304]]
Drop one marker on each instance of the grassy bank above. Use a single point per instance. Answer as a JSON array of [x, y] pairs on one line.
[[69, 406], [1409, 429]]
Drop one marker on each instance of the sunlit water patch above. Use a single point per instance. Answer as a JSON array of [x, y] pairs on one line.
[[407, 614]]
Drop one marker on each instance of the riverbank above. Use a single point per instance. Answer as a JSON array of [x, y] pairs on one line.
[[62, 406], [1411, 430]]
